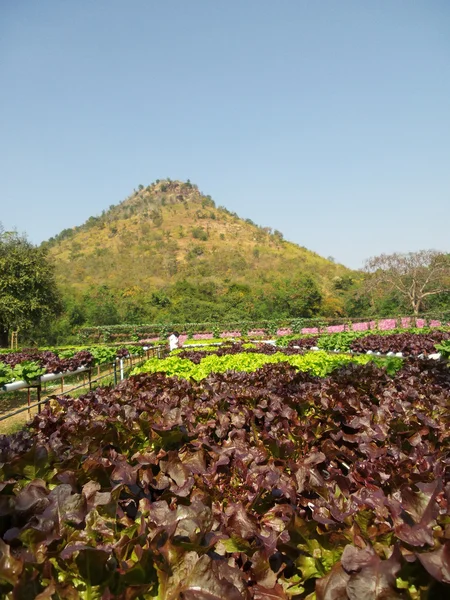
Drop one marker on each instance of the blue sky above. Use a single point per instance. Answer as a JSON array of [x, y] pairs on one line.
[[329, 121]]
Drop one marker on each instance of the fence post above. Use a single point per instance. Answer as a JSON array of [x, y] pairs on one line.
[[115, 373], [28, 401]]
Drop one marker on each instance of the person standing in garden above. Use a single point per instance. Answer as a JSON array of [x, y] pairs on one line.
[[174, 340]]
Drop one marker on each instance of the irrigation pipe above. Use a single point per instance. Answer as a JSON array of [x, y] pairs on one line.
[[47, 398], [17, 385], [21, 384]]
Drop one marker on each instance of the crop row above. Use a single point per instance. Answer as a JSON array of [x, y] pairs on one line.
[[408, 343], [274, 484], [198, 365], [156, 331], [28, 365]]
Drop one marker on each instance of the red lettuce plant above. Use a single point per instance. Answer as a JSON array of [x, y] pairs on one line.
[[273, 484]]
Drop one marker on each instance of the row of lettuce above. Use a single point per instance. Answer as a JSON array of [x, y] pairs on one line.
[[241, 476], [411, 342], [198, 365], [338, 340], [29, 365]]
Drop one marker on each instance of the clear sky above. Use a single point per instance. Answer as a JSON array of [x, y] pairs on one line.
[[328, 120]]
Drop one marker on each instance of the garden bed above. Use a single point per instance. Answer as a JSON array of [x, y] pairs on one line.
[[269, 484]]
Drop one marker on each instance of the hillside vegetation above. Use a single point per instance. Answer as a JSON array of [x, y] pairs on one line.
[[168, 252]]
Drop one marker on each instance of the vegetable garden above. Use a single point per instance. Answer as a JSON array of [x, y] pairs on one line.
[[29, 377], [236, 473], [426, 342], [28, 365]]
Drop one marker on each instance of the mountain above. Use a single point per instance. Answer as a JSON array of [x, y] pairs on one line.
[[169, 240]]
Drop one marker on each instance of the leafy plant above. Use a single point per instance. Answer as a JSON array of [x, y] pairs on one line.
[[201, 364], [30, 364], [272, 328], [164, 332], [444, 348], [339, 341], [102, 354], [242, 486], [28, 370], [6, 374], [244, 328], [407, 343]]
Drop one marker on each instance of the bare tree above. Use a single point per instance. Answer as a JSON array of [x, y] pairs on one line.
[[414, 276]]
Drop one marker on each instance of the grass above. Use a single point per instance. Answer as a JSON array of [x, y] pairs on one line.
[[16, 422]]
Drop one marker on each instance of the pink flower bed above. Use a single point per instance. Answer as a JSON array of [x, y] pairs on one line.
[[360, 326], [256, 332], [202, 336], [310, 330], [285, 331], [229, 334], [336, 328], [386, 324]]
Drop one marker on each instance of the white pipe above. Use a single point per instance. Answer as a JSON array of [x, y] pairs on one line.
[[19, 385], [201, 345], [53, 376], [16, 385]]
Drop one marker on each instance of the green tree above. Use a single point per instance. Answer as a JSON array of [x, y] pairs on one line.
[[199, 234], [100, 305], [298, 297], [28, 294]]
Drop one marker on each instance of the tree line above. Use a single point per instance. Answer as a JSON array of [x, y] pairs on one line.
[[32, 303]]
